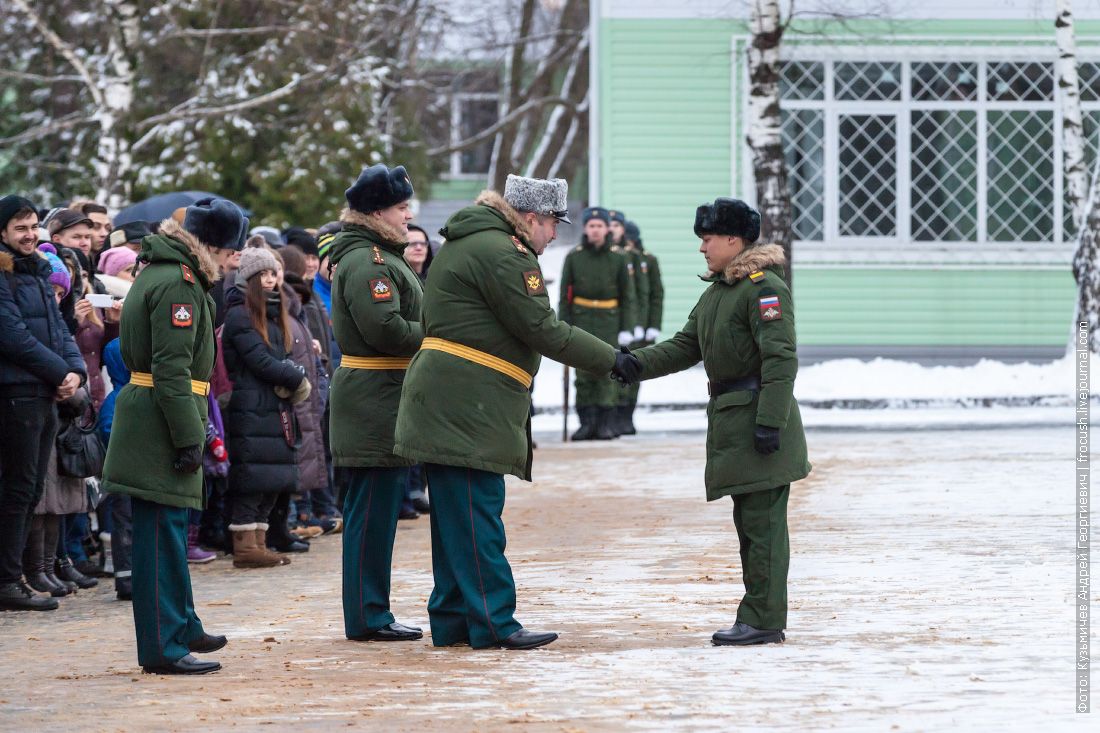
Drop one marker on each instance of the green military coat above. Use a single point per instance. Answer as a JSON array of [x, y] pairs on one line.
[[376, 301], [637, 267], [737, 332], [655, 308], [167, 330], [598, 273], [485, 291]]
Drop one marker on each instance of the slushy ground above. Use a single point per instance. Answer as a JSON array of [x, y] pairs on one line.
[[930, 589]]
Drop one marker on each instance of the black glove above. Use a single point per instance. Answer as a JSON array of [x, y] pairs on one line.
[[627, 368], [765, 440], [188, 460]]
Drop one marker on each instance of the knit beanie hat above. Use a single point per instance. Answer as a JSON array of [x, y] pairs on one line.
[[116, 259], [253, 260], [60, 273]]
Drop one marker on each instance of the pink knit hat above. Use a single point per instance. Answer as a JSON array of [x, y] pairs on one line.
[[116, 259]]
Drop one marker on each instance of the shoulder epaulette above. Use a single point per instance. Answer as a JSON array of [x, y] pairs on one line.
[[188, 276], [519, 245], [616, 248], [757, 276], [378, 256], [578, 248]]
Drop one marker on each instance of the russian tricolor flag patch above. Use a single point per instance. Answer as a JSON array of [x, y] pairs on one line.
[[769, 308]]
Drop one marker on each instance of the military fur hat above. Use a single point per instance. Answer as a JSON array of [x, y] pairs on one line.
[[217, 223], [617, 215], [379, 188], [731, 217], [133, 231], [538, 195], [597, 212], [633, 233]]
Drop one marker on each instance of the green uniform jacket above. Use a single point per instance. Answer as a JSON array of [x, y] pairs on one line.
[[598, 273], [167, 330], [735, 335], [485, 291], [651, 271], [637, 268], [376, 301]]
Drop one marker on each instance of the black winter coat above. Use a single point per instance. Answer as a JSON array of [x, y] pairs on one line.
[[261, 458], [36, 348]]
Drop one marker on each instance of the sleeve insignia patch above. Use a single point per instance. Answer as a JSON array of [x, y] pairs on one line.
[[182, 315], [381, 290], [757, 277], [645, 267], [769, 308], [188, 276], [519, 244], [377, 258], [534, 283]]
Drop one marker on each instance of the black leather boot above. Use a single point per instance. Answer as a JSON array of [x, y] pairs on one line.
[[279, 537], [19, 597], [626, 417], [51, 524], [587, 430], [604, 418], [65, 571], [34, 562]]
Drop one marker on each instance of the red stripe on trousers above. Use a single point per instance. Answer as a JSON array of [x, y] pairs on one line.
[[473, 535]]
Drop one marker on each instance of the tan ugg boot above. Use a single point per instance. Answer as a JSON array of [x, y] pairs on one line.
[[261, 540], [245, 552]]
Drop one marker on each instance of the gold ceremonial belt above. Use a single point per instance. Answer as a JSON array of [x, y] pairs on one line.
[[479, 357], [142, 379], [374, 362], [595, 303]]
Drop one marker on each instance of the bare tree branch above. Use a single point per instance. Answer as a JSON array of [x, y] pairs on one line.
[[40, 78], [64, 49], [48, 129], [489, 132]]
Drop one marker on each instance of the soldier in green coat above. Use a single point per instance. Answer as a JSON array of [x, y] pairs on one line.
[[621, 421], [159, 431], [376, 322], [465, 409], [743, 331], [651, 294], [598, 295]]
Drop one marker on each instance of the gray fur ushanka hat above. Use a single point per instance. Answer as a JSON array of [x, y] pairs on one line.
[[538, 195]]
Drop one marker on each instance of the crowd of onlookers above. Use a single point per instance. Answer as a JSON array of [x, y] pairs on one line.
[[64, 274]]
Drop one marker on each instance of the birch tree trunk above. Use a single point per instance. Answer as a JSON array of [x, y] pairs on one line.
[[773, 195], [113, 158], [1073, 140], [1086, 212]]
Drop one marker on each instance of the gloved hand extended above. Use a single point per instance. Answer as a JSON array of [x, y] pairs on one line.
[[627, 369]]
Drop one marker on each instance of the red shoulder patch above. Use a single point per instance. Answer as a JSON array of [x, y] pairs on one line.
[[182, 315], [534, 283], [187, 274], [377, 256], [519, 244], [381, 290]]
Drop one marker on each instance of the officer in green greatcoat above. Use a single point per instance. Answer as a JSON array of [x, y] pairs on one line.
[[159, 432], [622, 422], [598, 295], [743, 331], [465, 408], [647, 270], [376, 322]]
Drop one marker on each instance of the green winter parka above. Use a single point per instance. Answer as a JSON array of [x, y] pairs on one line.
[[638, 268], [651, 271], [167, 330], [598, 273], [738, 330], [485, 291], [376, 300]]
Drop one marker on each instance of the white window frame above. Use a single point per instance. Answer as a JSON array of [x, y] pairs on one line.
[[456, 172], [901, 250]]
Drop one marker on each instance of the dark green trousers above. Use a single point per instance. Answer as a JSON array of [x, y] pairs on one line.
[[474, 598], [371, 509], [761, 521], [596, 390], [164, 610]]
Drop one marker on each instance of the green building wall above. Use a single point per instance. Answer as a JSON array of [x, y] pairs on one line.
[[667, 133]]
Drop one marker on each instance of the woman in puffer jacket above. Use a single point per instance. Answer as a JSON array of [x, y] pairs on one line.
[[261, 429]]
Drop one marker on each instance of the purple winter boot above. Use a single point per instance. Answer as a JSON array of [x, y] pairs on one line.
[[195, 553]]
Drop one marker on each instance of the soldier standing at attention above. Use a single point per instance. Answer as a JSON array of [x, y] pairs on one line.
[[159, 430], [622, 422], [376, 322], [597, 294], [465, 408], [651, 303], [743, 331]]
